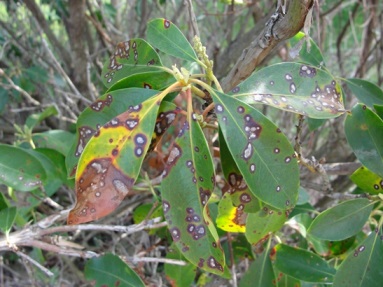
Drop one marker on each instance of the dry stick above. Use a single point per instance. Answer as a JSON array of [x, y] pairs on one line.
[[312, 165], [134, 260], [37, 264], [283, 28], [193, 19]]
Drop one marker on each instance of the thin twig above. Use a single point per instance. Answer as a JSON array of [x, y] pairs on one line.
[[136, 259], [37, 264]]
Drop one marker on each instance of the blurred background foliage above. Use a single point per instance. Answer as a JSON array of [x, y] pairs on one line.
[[51, 57]]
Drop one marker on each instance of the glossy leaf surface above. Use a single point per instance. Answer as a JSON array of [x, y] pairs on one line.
[[364, 133], [131, 57], [367, 180], [341, 221], [166, 36], [111, 161], [188, 181], [294, 87], [303, 265], [259, 225], [99, 113], [366, 92], [19, 169], [262, 153], [364, 266], [260, 272], [110, 270]]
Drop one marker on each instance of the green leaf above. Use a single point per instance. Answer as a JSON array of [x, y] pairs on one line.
[[294, 87], [111, 161], [259, 225], [110, 270], [341, 221], [364, 133], [364, 266], [156, 80], [366, 92], [260, 272], [379, 110], [303, 196], [367, 180], [303, 265], [179, 276], [166, 36], [3, 202], [34, 119], [283, 280], [19, 169], [131, 57], [99, 113], [190, 166], [58, 140], [7, 217], [262, 153], [312, 56]]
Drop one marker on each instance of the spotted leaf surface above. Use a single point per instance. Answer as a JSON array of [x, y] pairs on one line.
[[99, 113], [230, 218], [363, 266], [293, 87], [19, 169], [259, 225], [188, 181], [262, 153], [241, 197], [130, 57], [165, 36], [111, 161], [367, 180], [364, 133], [156, 80]]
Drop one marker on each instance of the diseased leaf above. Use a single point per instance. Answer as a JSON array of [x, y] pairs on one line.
[[293, 87], [363, 267], [367, 180], [241, 196], [111, 161], [190, 166], [99, 113], [165, 36], [366, 92], [19, 169], [131, 57], [230, 218], [262, 153], [303, 265], [364, 133], [283, 280], [110, 270], [259, 225], [341, 221]]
